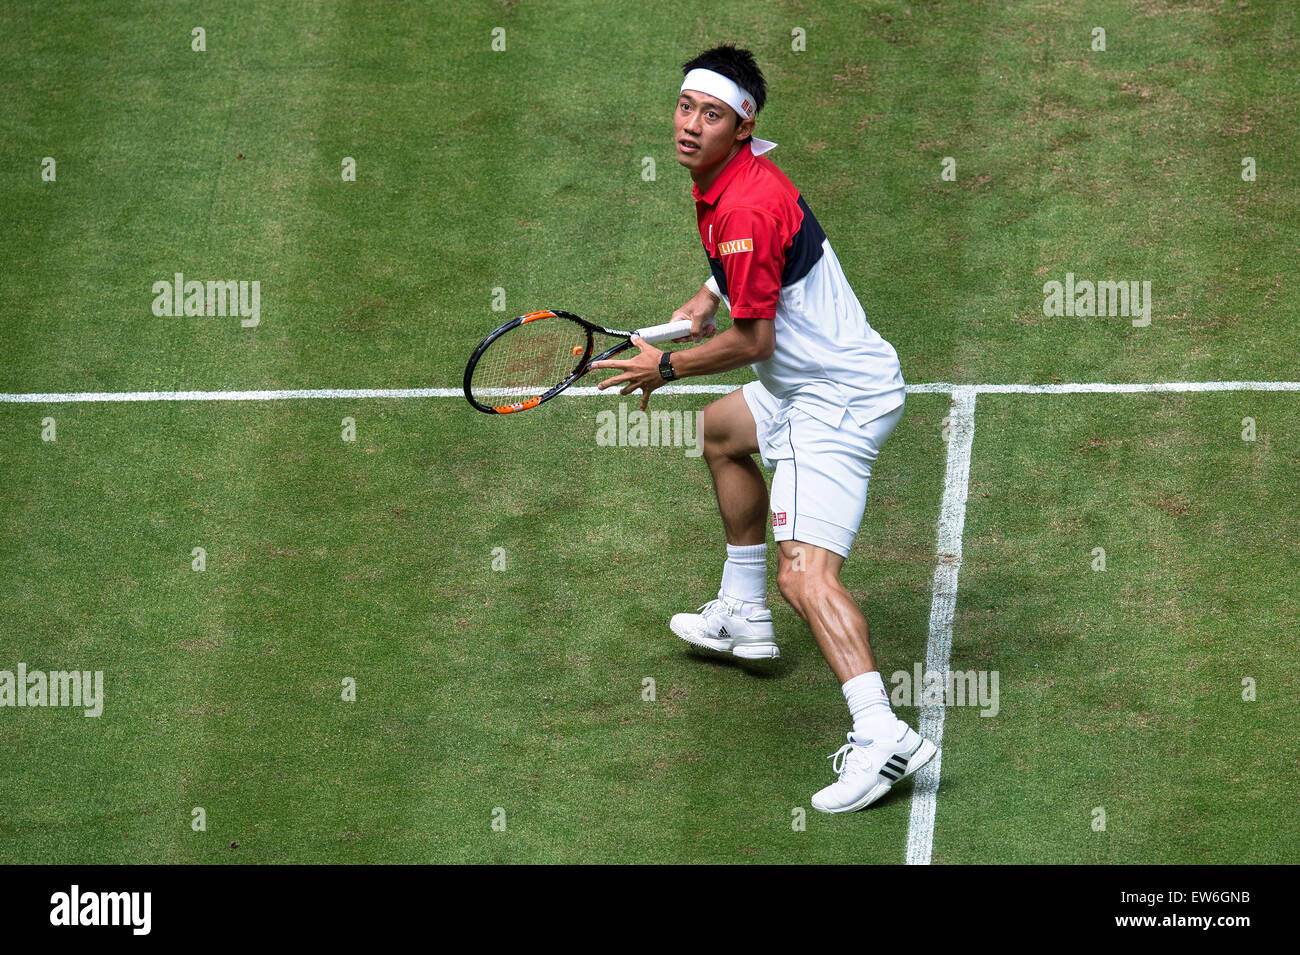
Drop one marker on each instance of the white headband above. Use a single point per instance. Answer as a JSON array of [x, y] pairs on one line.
[[734, 95]]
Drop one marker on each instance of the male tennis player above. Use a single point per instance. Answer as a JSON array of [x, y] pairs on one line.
[[828, 395]]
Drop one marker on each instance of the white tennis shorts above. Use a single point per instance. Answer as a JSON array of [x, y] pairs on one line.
[[820, 476]]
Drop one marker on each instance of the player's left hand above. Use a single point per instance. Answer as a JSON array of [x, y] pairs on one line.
[[642, 371]]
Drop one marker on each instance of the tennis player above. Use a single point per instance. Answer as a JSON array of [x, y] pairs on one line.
[[828, 395]]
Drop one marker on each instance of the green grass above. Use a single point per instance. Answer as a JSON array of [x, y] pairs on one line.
[[1125, 686], [477, 688], [522, 689]]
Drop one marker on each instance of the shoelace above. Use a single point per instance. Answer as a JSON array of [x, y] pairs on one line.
[[712, 605], [841, 757]]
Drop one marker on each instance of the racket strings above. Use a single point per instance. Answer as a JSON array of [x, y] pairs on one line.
[[529, 360]]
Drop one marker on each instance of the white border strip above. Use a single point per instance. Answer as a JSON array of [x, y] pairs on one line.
[[939, 387], [943, 604]]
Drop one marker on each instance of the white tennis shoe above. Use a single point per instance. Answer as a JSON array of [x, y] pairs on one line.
[[868, 768], [718, 625]]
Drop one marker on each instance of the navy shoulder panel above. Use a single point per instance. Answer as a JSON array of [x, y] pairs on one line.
[[805, 249]]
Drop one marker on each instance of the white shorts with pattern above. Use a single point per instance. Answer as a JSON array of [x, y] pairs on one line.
[[820, 476]]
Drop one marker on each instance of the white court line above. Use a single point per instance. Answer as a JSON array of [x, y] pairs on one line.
[[1099, 387], [943, 604], [587, 391], [300, 393]]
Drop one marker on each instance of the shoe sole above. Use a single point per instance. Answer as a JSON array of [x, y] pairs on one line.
[[745, 651], [922, 755]]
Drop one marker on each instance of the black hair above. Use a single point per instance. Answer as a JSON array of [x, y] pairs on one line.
[[737, 66]]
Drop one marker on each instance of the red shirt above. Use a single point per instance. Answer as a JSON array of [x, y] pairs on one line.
[[758, 233]]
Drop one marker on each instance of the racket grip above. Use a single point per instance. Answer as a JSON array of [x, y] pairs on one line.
[[665, 332]]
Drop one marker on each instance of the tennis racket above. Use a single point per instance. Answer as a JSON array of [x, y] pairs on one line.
[[532, 358]]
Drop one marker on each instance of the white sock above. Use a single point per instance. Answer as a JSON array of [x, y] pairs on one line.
[[869, 704], [744, 575]]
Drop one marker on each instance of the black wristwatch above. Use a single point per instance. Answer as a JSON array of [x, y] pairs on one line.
[[666, 368]]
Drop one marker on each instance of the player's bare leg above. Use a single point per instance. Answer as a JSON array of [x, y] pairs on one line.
[[730, 443], [809, 578], [738, 621], [882, 748]]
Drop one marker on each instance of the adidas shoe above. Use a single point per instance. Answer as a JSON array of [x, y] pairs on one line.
[[718, 626], [868, 768]]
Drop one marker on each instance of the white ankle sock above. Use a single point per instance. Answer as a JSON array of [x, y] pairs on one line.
[[869, 703], [744, 575]]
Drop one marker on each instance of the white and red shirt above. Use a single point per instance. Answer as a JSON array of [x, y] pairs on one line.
[[771, 261]]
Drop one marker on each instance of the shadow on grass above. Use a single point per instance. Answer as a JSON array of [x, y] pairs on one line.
[[721, 660]]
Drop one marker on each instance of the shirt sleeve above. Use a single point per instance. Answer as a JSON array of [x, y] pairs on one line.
[[753, 257]]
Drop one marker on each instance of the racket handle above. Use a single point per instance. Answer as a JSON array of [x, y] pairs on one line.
[[665, 332]]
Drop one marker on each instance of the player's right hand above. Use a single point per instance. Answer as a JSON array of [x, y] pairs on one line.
[[702, 326]]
